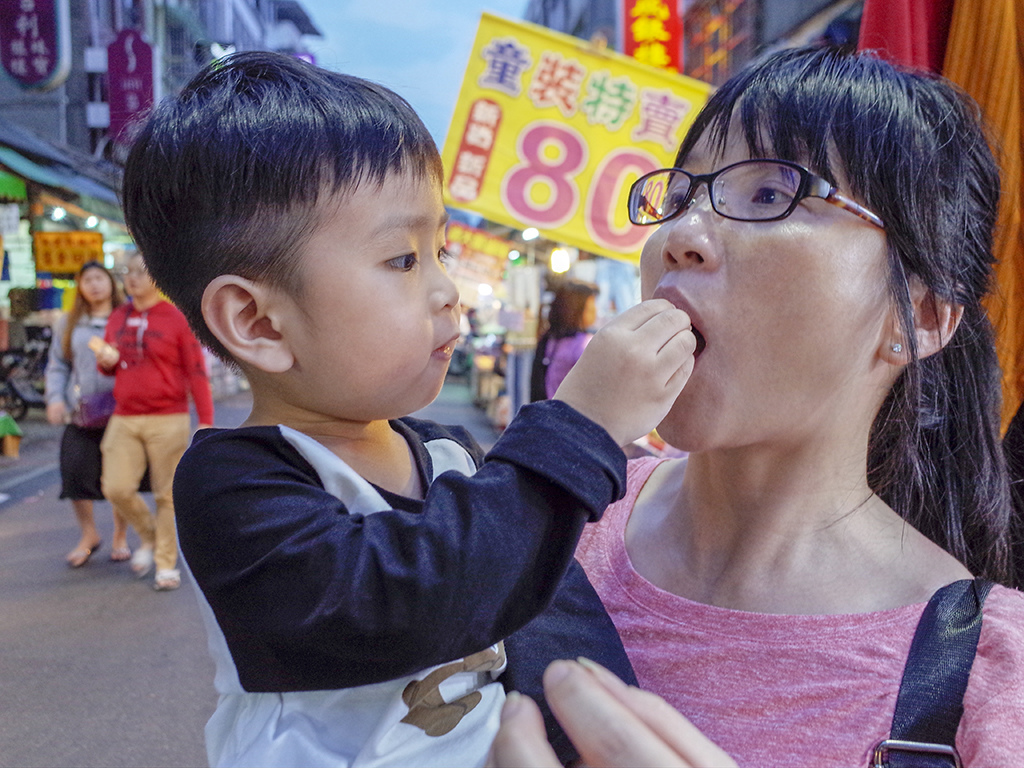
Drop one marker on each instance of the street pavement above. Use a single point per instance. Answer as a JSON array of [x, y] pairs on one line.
[[96, 668]]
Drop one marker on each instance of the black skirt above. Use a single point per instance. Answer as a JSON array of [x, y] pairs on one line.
[[81, 463]]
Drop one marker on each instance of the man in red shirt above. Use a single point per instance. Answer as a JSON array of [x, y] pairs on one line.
[[157, 362]]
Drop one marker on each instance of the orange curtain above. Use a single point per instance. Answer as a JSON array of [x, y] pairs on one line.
[[985, 56]]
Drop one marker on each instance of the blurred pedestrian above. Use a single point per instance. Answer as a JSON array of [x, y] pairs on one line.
[[156, 362], [571, 316], [76, 394]]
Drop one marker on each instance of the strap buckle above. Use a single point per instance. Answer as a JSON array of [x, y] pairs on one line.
[[879, 758]]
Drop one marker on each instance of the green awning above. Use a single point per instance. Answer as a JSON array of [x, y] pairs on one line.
[[12, 187], [94, 196]]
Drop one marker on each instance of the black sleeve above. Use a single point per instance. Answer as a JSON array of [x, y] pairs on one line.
[[310, 597], [574, 624]]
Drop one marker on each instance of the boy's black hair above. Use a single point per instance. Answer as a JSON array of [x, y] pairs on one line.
[[910, 147], [226, 177]]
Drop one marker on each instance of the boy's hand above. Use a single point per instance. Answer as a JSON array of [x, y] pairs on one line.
[[633, 370]]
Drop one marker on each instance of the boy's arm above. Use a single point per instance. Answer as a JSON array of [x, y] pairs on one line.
[[318, 598]]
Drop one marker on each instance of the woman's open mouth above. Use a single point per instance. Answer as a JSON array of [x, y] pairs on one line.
[[701, 343]]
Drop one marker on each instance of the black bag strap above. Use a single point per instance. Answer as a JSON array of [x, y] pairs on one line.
[[930, 702]]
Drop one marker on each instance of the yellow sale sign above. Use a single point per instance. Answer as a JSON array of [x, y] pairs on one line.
[[550, 132]]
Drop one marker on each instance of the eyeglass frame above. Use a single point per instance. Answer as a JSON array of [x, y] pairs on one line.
[[811, 185]]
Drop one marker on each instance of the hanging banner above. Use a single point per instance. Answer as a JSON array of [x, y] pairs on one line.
[[652, 32], [35, 42], [549, 132], [129, 79]]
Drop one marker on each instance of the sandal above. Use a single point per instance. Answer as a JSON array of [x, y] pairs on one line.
[[80, 555], [142, 562], [120, 554], [167, 579]]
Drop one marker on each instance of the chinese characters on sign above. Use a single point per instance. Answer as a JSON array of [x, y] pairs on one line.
[[66, 252], [129, 78], [653, 32], [479, 257], [550, 134], [35, 42]]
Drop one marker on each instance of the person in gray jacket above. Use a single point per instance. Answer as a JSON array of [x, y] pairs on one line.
[[79, 396]]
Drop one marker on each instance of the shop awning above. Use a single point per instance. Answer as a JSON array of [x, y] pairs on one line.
[[12, 187], [69, 173], [56, 176]]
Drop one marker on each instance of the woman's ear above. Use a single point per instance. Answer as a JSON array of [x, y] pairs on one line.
[[242, 315], [935, 322]]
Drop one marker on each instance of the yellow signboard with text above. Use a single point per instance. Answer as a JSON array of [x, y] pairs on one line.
[[550, 132]]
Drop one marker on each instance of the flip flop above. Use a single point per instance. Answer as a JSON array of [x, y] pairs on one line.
[[120, 554], [142, 562], [80, 556], [167, 579]]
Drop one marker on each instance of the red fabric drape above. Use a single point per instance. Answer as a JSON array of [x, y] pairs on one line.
[[912, 32]]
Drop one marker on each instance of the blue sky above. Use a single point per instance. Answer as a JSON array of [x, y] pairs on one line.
[[418, 48]]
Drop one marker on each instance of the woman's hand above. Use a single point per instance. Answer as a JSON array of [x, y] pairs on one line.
[[610, 723], [56, 412]]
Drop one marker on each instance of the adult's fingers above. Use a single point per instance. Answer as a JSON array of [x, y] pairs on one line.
[[668, 724], [521, 741], [604, 729]]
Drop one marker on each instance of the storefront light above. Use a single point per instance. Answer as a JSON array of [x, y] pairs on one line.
[[58, 214], [484, 289], [559, 261], [92, 221], [531, 233], [514, 255]]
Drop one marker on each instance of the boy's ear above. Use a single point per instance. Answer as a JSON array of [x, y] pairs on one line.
[[242, 315], [935, 321]]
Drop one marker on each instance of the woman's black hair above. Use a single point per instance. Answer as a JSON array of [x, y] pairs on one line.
[[909, 146], [565, 315], [564, 319]]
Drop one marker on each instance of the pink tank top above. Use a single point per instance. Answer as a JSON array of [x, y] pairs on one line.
[[807, 690]]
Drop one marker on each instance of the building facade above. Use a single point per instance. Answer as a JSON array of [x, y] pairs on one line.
[[60, 157]]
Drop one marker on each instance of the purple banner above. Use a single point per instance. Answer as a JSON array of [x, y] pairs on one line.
[[34, 38], [129, 79]]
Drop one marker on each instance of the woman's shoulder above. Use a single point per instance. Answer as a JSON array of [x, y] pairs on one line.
[[999, 663], [612, 523], [1003, 618], [992, 730]]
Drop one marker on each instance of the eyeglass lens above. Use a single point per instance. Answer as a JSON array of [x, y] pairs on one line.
[[750, 191]]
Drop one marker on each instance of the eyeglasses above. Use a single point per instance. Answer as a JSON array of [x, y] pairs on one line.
[[750, 190], [132, 271]]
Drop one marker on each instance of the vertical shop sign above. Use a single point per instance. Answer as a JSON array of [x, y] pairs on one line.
[[35, 42], [129, 79], [653, 32]]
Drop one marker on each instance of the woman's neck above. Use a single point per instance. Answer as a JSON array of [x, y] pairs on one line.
[[101, 309], [780, 533]]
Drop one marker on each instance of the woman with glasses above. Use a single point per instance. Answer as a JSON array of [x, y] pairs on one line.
[[79, 396], [827, 226]]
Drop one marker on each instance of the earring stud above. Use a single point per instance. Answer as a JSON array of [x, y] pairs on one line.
[[897, 348]]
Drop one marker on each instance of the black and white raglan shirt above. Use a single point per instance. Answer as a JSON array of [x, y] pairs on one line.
[[350, 626]]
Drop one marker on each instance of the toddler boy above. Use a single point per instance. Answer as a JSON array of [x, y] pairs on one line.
[[355, 591]]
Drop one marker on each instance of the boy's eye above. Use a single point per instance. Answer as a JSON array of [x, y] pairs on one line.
[[403, 263], [445, 256]]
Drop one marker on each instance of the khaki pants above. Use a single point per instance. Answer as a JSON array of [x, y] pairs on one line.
[[129, 443]]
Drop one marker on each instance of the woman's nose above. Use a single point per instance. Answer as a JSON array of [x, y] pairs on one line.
[[687, 239]]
